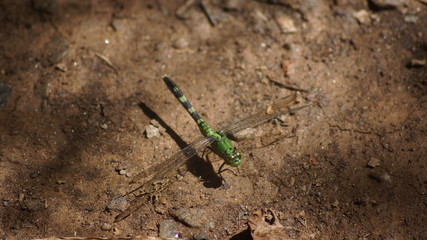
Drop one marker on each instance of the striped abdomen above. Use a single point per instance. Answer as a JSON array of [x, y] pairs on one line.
[[204, 128]]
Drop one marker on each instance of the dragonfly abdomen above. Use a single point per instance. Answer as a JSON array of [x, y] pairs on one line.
[[182, 99], [203, 126]]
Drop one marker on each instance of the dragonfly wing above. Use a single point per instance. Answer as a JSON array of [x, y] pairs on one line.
[[174, 161], [256, 120], [148, 187], [163, 172], [251, 118]]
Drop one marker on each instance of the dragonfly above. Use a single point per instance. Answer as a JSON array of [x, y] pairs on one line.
[[218, 141]]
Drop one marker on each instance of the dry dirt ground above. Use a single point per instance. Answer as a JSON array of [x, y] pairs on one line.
[[80, 82]]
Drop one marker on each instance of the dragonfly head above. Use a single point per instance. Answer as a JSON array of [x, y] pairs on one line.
[[234, 159]]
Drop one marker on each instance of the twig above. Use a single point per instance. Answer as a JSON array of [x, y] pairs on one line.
[[106, 60], [286, 86], [207, 12]]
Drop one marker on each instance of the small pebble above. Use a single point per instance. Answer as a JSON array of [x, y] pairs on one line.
[[411, 19], [56, 49], [122, 172], [180, 43], [119, 204], [118, 25], [269, 110], [106, 227], [194, 217], [168, 229], [232, 4], [104, 126], [116, 231], [286, 24], [61, 67], [60, 181], [151, 131], [373, 162], [362, 16], [380, 175], [120, 166], [155, 123], [21, 197]]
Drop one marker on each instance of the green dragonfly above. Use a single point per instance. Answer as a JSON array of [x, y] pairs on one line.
[[216, 140]]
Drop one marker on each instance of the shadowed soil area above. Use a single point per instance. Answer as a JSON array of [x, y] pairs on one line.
[[80, 84]]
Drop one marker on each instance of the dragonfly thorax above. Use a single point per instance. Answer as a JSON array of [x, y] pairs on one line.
[[222, 147]]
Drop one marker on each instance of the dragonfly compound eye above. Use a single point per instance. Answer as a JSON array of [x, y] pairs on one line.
[[236, 159]]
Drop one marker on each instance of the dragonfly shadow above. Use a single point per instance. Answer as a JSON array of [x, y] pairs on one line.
[[196, 165], [244, 235]]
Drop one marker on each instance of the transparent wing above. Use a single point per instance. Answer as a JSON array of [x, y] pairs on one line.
[[174, 161], [163, 173], [256, 120], [252, 118]]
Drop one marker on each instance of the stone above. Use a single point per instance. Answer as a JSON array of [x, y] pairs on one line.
[[373, 162]]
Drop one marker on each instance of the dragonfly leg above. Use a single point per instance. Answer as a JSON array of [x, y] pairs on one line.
[[204, 151], [221, 170]]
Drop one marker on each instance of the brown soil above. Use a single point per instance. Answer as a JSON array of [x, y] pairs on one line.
[[74, 75]]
